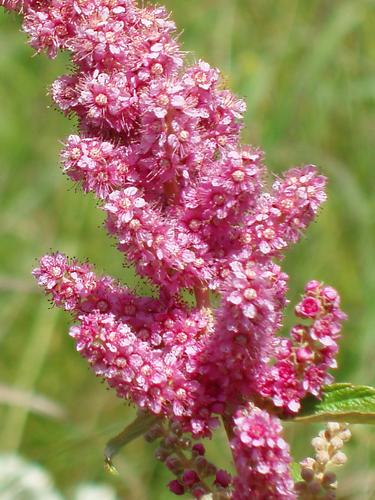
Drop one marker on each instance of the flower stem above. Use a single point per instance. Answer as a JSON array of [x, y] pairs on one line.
[[202, 296], [227, 421]]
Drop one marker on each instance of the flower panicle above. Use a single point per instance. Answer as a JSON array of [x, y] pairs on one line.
[[159, 147]]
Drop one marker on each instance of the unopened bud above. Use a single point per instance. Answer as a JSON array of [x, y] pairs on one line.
[[170, 441], [174, 464], [190, 477], [345, 435], [198, 449], [319, 443], [307, 475], [339, 458], [176, 428], [198, 491], [333, 427], [161, 454], [314, 487], [154, 433], [210, 470], [223, 478], [176, 487], [300, 487], [322, 457], [201, 465], [308, 463], [337, 443], [329, 480]]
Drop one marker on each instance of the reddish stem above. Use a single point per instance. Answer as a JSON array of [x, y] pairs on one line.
[[202, 296], [171, 191], [228, 422]]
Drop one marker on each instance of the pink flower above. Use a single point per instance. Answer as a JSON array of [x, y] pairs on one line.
[[108, 100], [261, 457], [98, 166], [308, 308]]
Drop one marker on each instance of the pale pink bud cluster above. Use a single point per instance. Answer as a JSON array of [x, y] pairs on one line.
[[159, 146], [261, 457], [318, 481], [303, 360]]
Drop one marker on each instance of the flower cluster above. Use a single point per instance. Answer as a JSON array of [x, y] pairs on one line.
[[187, 461], [261, 456], [317, 480], [190, 207], [304, 359]]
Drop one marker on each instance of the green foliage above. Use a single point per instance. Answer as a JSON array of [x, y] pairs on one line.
[[137, 428], [354, 404], [296, 472], [306, 70]]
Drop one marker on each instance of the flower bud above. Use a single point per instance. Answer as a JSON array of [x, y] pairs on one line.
[[198, 491], [345, 435], [319, 443], [301, 487], [322, 457], [161, 454], [171, 441], [304, 354], [198, 449], [190, 477], [314, 487], [154, 433], [333, 427], [174, 464], [223, 478], [329, 480], [308, 463], [176, 487], [339, 458], [176, 428], [201, 465], [337, 443], [307, 474]]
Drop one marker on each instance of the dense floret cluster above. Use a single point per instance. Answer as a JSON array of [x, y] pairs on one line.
[[261, 456], [189, 206]]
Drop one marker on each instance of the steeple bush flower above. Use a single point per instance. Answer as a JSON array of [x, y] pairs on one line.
[[191, 208]]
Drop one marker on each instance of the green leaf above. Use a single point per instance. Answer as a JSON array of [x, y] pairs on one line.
[[295, 470], [138, 427], [350, 403]]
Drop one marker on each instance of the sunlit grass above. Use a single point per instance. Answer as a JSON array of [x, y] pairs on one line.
[[306, 71]]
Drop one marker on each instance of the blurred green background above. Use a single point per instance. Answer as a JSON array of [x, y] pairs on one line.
[[306, 70]]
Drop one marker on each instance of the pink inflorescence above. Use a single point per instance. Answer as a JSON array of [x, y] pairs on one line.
[[189, 206], [303, 360], [261, 457]]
